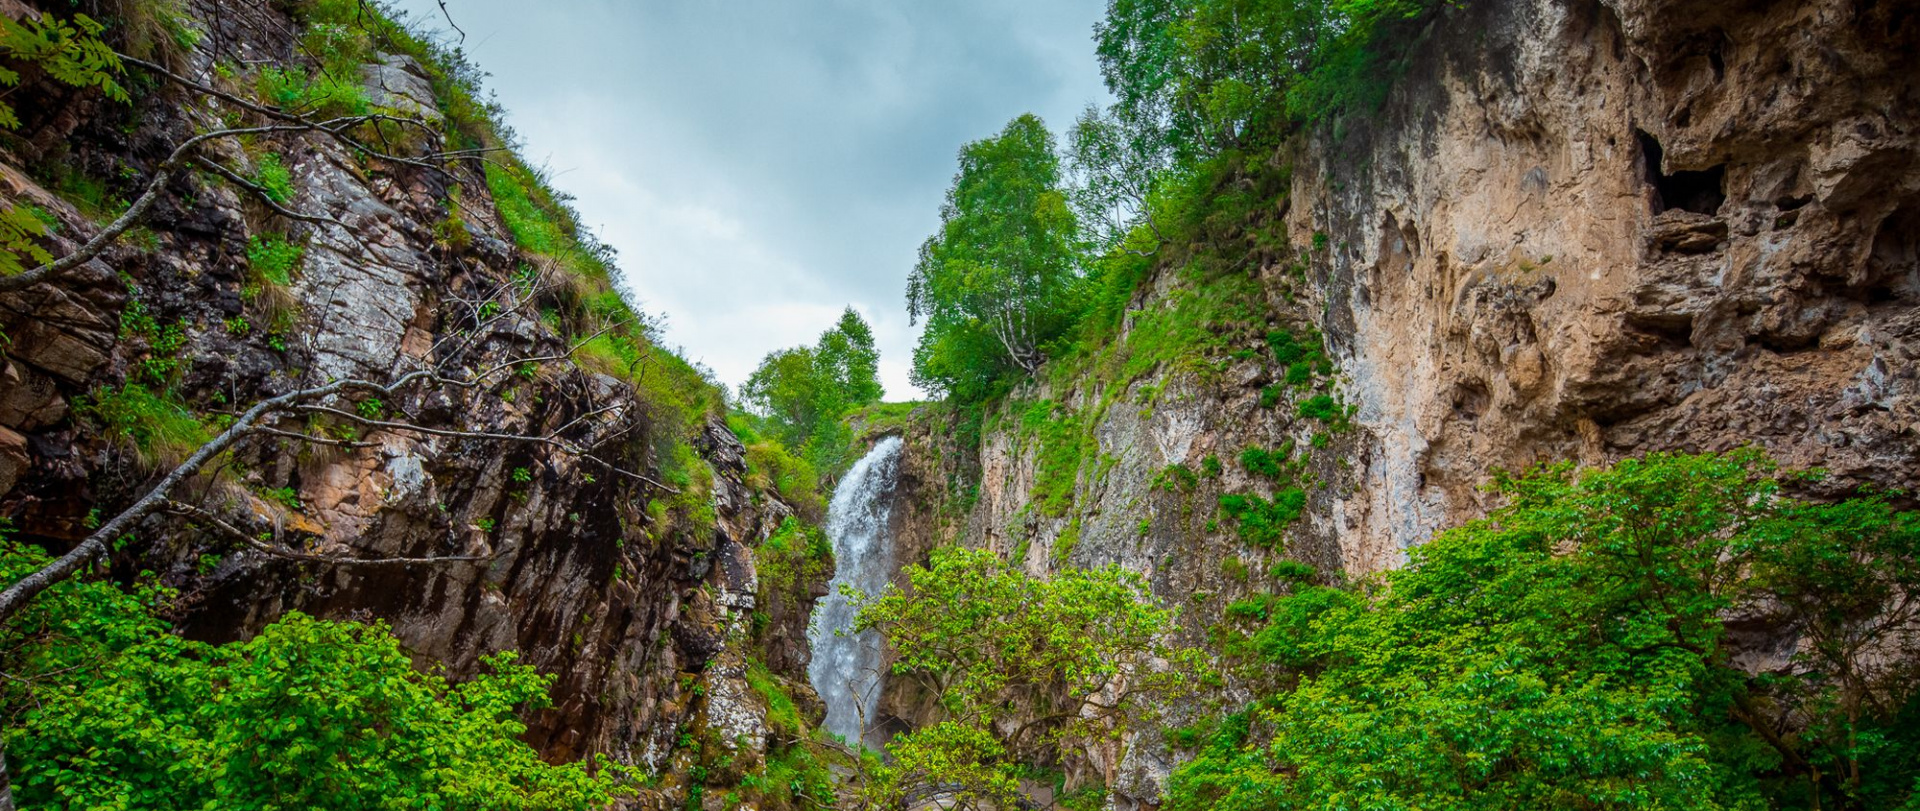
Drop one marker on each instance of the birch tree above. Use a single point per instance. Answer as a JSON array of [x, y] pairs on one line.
[[1000, 277]]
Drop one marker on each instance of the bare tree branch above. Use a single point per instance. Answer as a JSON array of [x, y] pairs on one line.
[[238, 534]]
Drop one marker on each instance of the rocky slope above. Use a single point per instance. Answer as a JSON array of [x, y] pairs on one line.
[[1576, 230], [637, 594]]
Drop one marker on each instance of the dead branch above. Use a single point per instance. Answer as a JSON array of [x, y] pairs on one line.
[[206, 517]]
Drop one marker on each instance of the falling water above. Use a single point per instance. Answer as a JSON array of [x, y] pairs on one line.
[[846, 666]]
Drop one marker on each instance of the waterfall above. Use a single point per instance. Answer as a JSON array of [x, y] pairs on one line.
[[845, 667]]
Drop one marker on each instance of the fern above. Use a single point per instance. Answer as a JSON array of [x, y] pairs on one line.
[[20, 228], [70, 52]]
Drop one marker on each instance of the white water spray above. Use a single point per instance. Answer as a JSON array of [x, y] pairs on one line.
[[845, 667]]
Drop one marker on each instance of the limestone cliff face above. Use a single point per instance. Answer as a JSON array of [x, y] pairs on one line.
[[1577, 230], [1593, 230], [637, 599]]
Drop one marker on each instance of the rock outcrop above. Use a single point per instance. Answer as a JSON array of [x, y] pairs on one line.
[[636, 594], [1612, 228], [1576, 230]]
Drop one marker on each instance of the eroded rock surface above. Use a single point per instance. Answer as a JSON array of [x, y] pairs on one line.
[[639, 599], [1577, 230], [1621, 227]]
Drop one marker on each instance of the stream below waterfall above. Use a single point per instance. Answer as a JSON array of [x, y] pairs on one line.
[[846, 666]]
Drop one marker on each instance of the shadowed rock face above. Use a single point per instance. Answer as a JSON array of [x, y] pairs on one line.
[[1577, 230], [642, 615]]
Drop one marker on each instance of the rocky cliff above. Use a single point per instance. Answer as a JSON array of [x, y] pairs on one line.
[[1575, 230], [626, 569]]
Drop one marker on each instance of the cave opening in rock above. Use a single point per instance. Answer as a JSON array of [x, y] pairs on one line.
[[1700, 191]]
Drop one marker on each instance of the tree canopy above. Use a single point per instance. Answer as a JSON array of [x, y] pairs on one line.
[[1213, 74], [1027, 671], [1000, 277], [1575, 650], [801, 394], [106, 708]]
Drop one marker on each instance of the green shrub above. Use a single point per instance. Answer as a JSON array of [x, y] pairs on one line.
[[328, 95], [1292, 571], [1572, 650], [1262, 522], [1325, 408], [273, 258], [1272, 464], [273, 177], [111, 709], [794, 557]]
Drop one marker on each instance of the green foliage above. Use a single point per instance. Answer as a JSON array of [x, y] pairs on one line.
[[996, 647], [1571, 651], [538, 222], [1327, 409], [794, 777], [68, 51], [157, 426], [106, 708], [91, 195], [160, 363], [1065, 442], [1263, 522], [1119, 166], [876, 419], [272, 176], [156, 30], [770, 466], [792, 560], [1176, 478], [286, 497], [326, 95], [273, 258], [1291, 571], [802, 395], [1216, 74], [1302, 357], [21, 228], [999, 280], [1272, 464]]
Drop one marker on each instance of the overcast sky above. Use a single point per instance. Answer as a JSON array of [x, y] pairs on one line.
[[761, 164]]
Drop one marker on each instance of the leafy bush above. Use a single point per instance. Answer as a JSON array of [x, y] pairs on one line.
[[273, 258], [327, 95], [1572, 650], [1003, 646], [1263, 522], [110, 709], [794, 557], [272, 176], [1325, 408], [68, 50], [1272, 464]]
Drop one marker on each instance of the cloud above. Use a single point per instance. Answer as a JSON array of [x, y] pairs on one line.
[[761, 164]]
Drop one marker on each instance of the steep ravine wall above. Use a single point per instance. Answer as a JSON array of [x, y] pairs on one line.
[[1594, 230], [638, 602], [1576, 230]]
